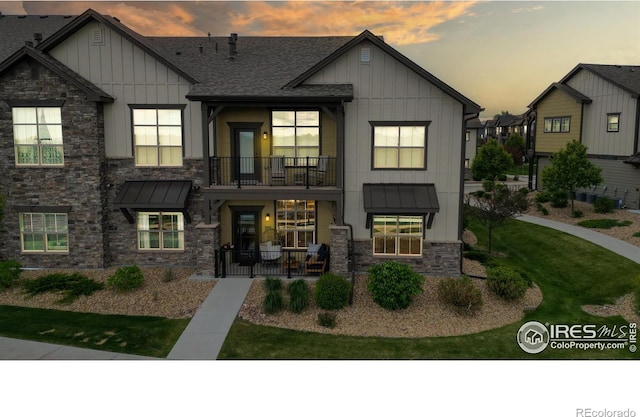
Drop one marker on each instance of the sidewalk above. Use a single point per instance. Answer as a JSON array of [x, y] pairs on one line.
[[13, 349]]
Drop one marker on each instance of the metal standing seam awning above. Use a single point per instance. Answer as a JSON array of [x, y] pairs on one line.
[[400, 199], [153, 196]]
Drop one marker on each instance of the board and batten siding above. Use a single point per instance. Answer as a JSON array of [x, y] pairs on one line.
[[557, 104], [131, 76], [607, 98], [386, 90]]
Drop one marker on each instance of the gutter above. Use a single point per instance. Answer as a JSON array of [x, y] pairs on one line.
[[465, 119]]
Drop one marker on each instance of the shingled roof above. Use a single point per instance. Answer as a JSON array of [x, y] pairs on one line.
[[626, 77], [16, 30]]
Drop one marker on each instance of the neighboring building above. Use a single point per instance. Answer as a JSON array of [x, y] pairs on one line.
[[599, 106], [118, 148], [473, 137]]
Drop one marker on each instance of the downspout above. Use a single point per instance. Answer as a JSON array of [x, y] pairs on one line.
[[636, 138], [465, 119], [532, 146]]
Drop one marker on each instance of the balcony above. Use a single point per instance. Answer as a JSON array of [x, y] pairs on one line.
[[302, 172]]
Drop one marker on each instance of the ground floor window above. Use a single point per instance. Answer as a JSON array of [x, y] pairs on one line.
[[397, 235], [160, 231], [296, 222], [44, 232]]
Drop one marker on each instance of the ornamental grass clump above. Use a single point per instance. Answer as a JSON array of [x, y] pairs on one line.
[[465, 297], [9, 273], [273, 302], [298, 295], [393, 285]]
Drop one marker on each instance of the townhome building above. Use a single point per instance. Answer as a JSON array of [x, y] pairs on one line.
[[599, 106], [209, 152]]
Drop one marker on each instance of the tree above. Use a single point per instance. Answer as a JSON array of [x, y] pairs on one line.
[[515, 146], [491, 161], [497, 204], [570, 170]]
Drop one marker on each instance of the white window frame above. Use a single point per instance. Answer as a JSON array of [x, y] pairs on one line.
[[296, 216], [161, 149], [38, 126], [50, 227], [557, 124], [387, 139], [387, 229], [145, 231]]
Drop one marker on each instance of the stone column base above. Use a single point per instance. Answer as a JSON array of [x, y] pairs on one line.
[[207, 242]]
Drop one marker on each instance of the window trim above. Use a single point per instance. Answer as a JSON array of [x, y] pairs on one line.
[[295, 229], [43, 233], [418, 123], [160, 232], [180, 107], [32, 104], [397, 237], [609, 123], [552, 119]]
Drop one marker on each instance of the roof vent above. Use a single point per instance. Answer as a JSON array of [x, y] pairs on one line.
[[365, 55], [29, 44], [178, 53], [37, 37], [201, 49], [233, 51]]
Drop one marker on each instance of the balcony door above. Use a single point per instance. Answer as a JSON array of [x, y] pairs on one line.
[[246, 152]]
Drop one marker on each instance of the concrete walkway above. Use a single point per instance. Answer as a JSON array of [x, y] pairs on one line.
[[618, 246], [26, 349], [205, 334]]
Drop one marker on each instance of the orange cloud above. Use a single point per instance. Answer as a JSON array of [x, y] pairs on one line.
[[401, 23], [175, 20]]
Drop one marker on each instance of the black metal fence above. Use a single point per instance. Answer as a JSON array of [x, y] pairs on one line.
[[284, 263], [273, 171]]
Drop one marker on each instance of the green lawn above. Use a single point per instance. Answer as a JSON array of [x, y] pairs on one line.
[[554, 260], [520, 170], [137, 335]]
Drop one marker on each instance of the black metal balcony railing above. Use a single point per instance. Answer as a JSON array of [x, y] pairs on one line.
[[286, 262], [310, 171]]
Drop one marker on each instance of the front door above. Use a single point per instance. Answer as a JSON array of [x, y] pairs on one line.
[[246, 155], [245, 229]]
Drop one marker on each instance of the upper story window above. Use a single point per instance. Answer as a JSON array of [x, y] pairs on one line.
[[613, 122], [468, 136], [160, 231], [399, 146], [557, 124], [296, 133], [44, 232], [37, 136], [157, 137]]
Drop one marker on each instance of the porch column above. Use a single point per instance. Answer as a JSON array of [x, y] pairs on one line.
[[207, 242], [339, 250]]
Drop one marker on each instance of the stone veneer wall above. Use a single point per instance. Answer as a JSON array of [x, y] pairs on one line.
[[80, 183], [123, 237], [339, 250], [438, 258]]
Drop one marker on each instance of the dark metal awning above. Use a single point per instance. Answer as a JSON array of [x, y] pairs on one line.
[[633, 160], [401, 199], [153, 195]]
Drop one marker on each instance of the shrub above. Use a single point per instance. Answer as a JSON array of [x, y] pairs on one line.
[[502, 177], [327, 319], [544, 211], [487, 185], [603, 205], [576, 214], [126, 278], [393, 285], [461, 293], [543, 197], [273, 302], [272, 284], [476, 255], [466, 247], [636, 234], [298, 295], [479, 193], [9, 273], [559, 199], [604, 223], [524, 190], [70, 285], [516, 178], [506, 283], [332, 291], [168, 275]]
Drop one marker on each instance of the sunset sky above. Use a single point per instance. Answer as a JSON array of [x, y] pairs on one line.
[[501, 54]]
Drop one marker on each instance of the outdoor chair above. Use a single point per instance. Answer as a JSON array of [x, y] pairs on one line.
[[317, 259]]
